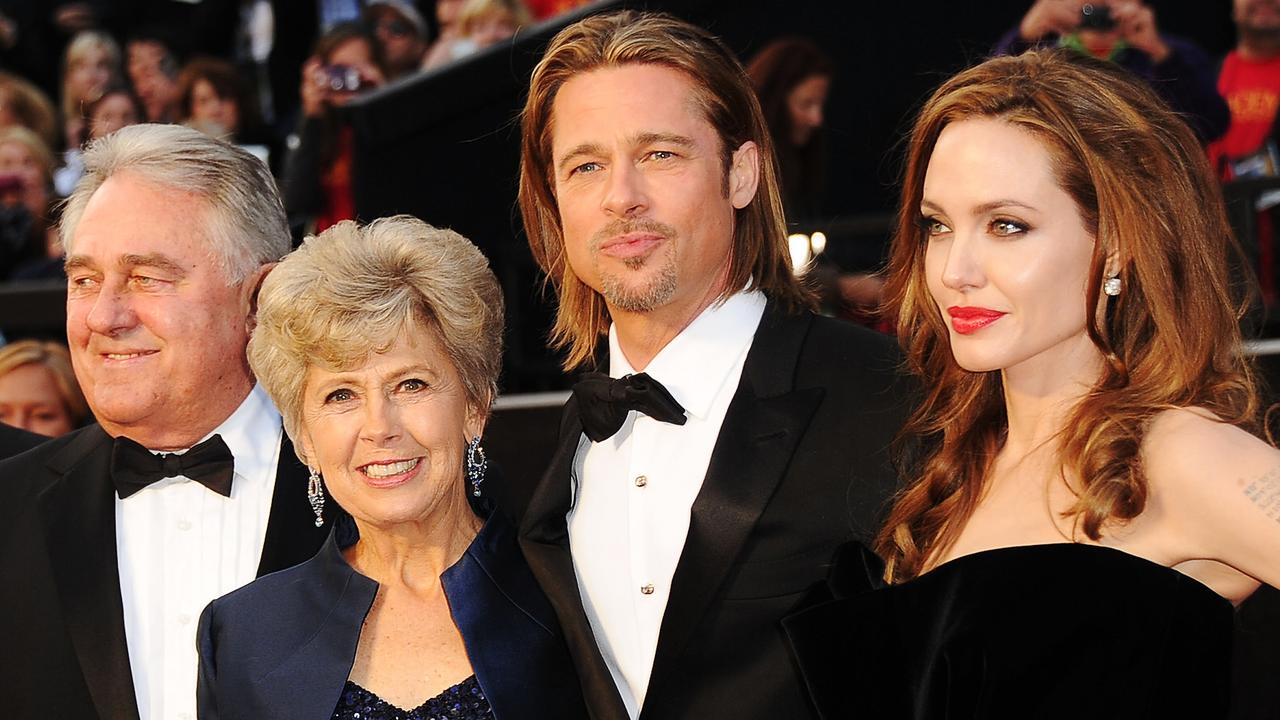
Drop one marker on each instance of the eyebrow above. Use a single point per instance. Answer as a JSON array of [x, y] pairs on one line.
[[129, 261], [984, 208], [642, 139]]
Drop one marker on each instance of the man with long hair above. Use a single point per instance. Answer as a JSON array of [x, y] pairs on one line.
[[701, 486]]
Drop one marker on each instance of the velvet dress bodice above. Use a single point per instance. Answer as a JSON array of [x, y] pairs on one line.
[[1040, 631]]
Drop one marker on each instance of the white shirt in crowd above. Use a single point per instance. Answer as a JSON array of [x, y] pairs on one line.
[[180, 545], [634, 491]]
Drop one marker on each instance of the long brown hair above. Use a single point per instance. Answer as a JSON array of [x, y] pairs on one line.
[[1170, 339], [760, 257]]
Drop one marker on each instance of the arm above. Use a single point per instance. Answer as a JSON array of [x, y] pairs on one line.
[[1220, 489], [207, 680]]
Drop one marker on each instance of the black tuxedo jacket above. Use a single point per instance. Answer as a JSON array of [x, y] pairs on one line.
[[15, 440], [63, 652], [801, 465]]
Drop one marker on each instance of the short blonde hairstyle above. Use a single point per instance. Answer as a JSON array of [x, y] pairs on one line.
[[32, 142], [54, 358], [351, 291], [476, 10]]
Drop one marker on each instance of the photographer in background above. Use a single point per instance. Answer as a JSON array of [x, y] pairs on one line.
[[317, 175], [1125, 32]]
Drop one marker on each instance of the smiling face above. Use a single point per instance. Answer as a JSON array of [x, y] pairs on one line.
[[1008, 253], [389, 436], [157, 337], [640, 182]]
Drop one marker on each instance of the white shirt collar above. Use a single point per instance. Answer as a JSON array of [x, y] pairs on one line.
[[695, 364], [252, 433]]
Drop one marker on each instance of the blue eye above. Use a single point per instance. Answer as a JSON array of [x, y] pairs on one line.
[[589, 167]]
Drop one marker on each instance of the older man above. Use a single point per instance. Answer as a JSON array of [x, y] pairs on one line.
[[700, 491], [113, 538]]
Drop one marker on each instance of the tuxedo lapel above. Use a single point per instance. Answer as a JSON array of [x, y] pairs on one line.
[[292, 536], [765, 420], [544, 538], [79, 516]]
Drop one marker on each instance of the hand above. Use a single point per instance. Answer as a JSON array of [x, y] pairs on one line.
[[314, 90], [1137, 25], [1050, 17]]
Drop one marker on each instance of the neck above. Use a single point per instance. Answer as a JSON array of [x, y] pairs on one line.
[[185, 430], [642, 335], [1258, 45], [414, 554], [1041, 393]]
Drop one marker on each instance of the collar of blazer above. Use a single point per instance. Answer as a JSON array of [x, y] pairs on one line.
[[78, 513], [766, 419]]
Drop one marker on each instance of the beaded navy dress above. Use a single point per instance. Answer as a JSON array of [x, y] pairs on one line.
[[1039, 631], [464, 701]]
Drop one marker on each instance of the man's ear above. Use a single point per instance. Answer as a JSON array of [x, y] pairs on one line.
[[744, 174], [249, 289]]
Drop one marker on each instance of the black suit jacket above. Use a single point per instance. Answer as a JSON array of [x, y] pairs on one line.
[[801, 465], [15, 440], [63, 652], [283, 645]]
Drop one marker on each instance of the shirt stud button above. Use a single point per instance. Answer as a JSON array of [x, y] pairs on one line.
[[646, 589], [641, 481]]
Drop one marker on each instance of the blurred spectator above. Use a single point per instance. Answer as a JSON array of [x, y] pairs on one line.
[[1125, 32], [317, 176], [476, 25], [401, 33], [792, 77], [153, 65], [26, 197], [25, 105], [544, 9], [38, 390], [216, 101], [1250, 83], [91, 63], [114, 109]]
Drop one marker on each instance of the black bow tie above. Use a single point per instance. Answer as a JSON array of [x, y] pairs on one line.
[[603, 402], [134, 467]]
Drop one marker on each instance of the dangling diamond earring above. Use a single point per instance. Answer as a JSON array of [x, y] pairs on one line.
[[477, 464], [315, 496], [1112, 286]]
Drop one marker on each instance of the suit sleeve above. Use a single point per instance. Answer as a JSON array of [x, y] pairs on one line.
[[207, 680]]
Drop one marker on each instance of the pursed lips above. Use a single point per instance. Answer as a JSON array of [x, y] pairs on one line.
[[631, 244]]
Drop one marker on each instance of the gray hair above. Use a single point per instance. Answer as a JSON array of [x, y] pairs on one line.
[[245, 226], [352, 291]]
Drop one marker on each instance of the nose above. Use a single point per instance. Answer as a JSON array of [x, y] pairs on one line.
[[381, 421], [624, 194], [112, 312], [961, 270]]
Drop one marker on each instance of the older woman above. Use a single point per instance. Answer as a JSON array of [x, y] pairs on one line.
[[38, 389], [381, 346], [1092, 496]]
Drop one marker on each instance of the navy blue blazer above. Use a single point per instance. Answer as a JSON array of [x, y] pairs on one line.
[[283, 645]]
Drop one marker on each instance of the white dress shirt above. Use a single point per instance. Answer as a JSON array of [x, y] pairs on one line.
[[634, 491], [180, 545]]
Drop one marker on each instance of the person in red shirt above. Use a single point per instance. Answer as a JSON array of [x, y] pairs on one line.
[[1250, 83]]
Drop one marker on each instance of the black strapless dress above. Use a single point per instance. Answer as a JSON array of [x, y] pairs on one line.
[[1039, 631]]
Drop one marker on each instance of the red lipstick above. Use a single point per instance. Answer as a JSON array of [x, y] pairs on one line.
[[967, 320]]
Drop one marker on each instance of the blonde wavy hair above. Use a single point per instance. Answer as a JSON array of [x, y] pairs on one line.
[[351, 291], [1171, 339]]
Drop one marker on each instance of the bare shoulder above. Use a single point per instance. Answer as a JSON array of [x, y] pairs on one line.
[[1192, 445], [1217, 489]]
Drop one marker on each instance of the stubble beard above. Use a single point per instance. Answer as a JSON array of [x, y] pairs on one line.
[[622, 291]]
